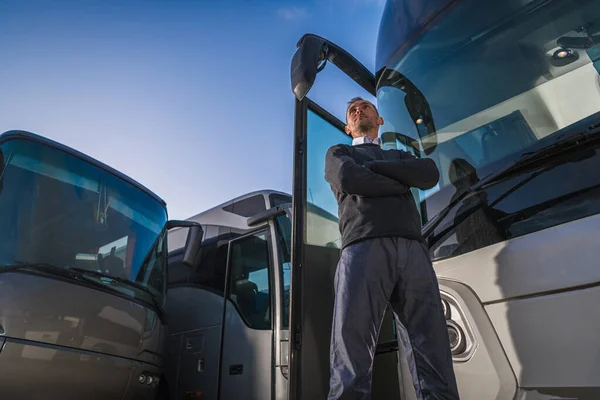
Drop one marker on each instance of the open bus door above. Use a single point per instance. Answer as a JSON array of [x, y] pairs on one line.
[[315, 256]]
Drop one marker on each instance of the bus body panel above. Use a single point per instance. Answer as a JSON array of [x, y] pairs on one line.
[[247, 359], [195, 318], [195, 346], [535, 263], [282, 351], [32, 370], [69, 315], [59, 332], [37, 371], [552, 341]]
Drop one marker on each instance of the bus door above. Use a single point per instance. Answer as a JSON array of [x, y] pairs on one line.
[[247, 342], [315, 254]]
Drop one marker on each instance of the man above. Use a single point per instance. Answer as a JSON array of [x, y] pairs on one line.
[[384, 259]]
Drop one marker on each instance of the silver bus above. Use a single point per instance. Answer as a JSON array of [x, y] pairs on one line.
[[82, 276], [505, 97]]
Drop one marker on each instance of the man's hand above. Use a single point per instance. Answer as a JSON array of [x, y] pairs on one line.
[[345, 175], [421, 173]]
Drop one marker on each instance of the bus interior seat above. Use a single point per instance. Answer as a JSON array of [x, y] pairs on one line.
[[245, 291]]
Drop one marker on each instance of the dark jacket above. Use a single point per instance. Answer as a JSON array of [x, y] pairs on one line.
[[372, 189]]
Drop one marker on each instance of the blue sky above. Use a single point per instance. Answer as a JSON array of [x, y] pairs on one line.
[[191, 98]]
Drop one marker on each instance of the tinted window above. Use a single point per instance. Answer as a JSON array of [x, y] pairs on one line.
[[56, 208], [539, 198], [322, 227], [278, 199], [247, 207], [250, 280]]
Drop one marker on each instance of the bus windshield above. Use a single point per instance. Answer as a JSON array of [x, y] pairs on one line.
[[480, 86], [60, 211]]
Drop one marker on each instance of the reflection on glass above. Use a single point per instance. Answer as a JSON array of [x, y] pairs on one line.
[[177, 238], [321, 220], [57, 209], [249, 282], [496, 90]]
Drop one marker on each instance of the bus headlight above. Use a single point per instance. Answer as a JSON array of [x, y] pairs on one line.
[[142, 378], [457, 338], [148, 379], [460, 335]]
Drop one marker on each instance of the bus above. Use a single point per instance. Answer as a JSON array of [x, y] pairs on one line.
[[228, 315], [504, 96], [228, 331], [83, 252]]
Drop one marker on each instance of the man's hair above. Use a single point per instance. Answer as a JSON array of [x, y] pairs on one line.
[[354, 100]]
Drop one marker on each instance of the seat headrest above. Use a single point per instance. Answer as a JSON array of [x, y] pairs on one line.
[[245, 286]]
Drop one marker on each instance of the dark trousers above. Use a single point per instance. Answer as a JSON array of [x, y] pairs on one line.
[[370, 274]]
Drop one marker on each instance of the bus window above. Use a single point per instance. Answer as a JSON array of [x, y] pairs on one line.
[[284, 233], [250, 280]]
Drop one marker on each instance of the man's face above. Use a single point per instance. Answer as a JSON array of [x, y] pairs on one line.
[[362, 119]]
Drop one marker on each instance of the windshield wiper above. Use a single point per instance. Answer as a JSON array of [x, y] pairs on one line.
[[561, 146], [39, 267], [82, 272], [55, 270], [567, 141], [79, 274]]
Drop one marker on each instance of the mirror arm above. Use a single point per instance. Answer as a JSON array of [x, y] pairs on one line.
[[173, 223], [266, 215], [314, 50], [416, 104], [351, 67]]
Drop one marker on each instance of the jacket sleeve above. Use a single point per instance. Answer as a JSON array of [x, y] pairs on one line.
[[421, 173], [344, 174]]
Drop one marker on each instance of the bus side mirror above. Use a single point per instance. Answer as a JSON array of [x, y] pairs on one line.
[[191, 250], [305, 64]]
